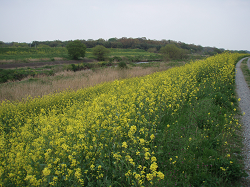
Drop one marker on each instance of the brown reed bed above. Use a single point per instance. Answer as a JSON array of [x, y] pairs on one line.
[[43, 85]]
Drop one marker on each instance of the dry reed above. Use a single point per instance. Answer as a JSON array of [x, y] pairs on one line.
[[61, 81]]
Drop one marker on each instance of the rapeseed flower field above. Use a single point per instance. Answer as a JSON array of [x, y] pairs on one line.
[[168, 128]]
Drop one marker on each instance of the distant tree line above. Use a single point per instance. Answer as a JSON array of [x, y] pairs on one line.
[[125, 43]]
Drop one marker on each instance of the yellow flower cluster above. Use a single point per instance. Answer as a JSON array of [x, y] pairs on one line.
[[102, 133]]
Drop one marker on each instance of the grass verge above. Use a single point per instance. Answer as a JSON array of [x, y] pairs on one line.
[[245, 71]]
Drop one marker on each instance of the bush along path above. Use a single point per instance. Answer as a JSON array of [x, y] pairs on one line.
[[244, 95]]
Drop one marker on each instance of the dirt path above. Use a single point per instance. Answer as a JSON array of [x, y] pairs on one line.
[[244, 93], [38, 64]]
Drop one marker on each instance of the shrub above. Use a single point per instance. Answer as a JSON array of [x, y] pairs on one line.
[[117, 59], [100, 52], [122, 65], [170, 51], [76, 49], [106, 64], [18, 74]]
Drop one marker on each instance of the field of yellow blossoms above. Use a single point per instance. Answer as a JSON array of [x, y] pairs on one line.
[[169, 128]]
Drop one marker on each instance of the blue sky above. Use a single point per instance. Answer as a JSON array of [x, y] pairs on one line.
[[214, 23]]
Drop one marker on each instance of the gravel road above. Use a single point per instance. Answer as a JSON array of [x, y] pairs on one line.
[[244, 93]]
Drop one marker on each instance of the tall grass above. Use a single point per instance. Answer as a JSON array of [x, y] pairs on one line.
[[171, 128], [63, 80]]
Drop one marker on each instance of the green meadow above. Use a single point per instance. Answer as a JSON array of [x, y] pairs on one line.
[[26, 54]]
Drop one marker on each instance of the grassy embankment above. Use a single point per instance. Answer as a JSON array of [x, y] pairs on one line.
[[176, 127], [245, 71]]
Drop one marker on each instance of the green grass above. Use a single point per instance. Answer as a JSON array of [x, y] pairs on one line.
[[49, 54], [246, 71], [24, 54], [196, 135], [131, 55]]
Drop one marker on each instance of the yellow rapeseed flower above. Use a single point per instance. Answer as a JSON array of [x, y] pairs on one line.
[[92, 167], [152, 136], [124, 144], [149, 176], [153, 159], [46, 171]]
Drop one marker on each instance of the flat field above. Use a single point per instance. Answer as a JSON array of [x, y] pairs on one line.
[[27, 54], [57, 53]]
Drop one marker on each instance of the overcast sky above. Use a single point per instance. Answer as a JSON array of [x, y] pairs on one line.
[[215, 23]]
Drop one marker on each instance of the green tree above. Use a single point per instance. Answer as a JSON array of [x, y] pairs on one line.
[[171, 51], [100, 52], [112, 39], [16, 44], [216, 50], [76, 49]]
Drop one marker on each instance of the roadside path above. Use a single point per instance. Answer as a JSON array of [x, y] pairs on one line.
[[244, 93]]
